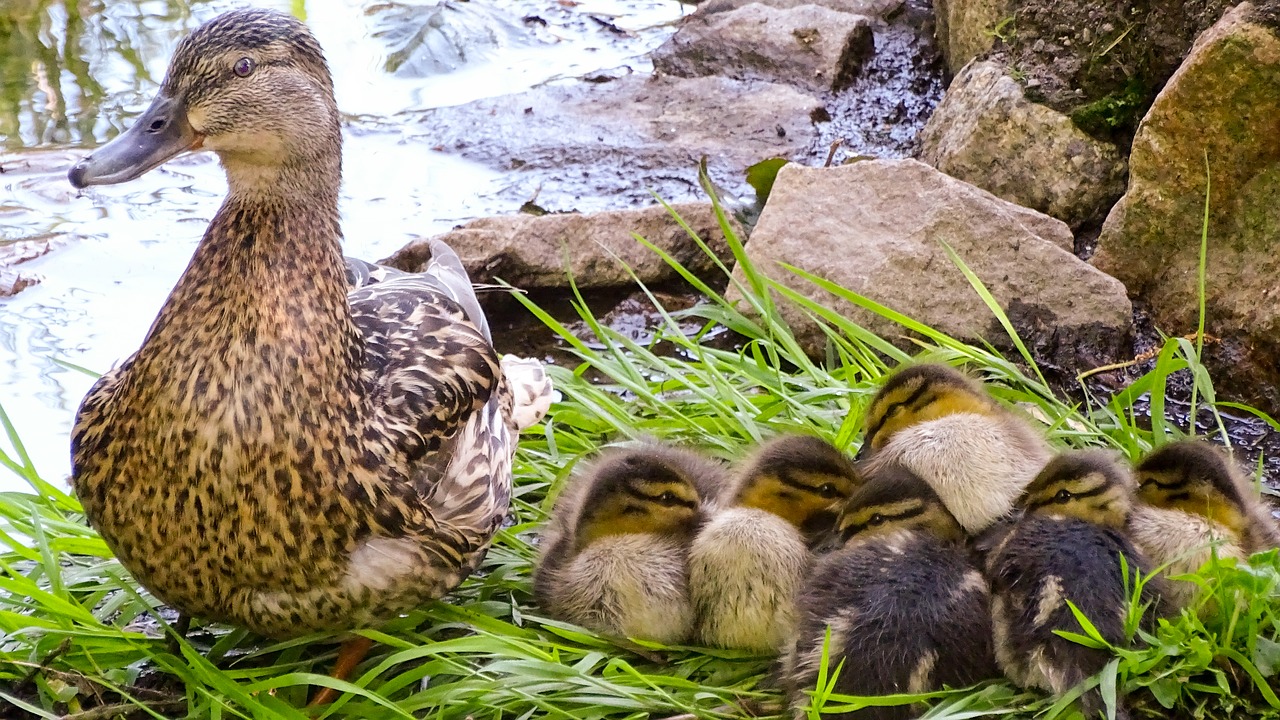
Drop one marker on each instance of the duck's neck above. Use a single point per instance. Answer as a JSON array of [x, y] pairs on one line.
[[264, 299]]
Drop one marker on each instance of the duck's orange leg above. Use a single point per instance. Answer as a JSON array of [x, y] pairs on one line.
[[349, 655]]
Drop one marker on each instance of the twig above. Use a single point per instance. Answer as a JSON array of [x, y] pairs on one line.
[[831, 154], [107, 712], [1142, 357]]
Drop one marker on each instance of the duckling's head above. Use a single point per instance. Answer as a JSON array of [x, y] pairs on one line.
[[894, 499], [251, 85], [634, 491], [1194, 477], [920, 393], [1090, 485], [799, 478]]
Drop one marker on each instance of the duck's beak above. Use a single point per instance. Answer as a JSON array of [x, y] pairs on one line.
[[160, 133]]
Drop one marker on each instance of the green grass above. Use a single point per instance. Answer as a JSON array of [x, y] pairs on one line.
[[76, 633]]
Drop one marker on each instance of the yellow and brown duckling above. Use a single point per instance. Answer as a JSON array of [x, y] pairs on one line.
[[279, 453], [946, 428], [614, 556], [748, 561], [1067, 545], [1193, 504], [908, 610]]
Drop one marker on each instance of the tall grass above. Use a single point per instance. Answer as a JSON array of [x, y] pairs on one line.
[[79, 638]]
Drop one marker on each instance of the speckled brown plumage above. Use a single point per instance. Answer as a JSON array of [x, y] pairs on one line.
[[281, 454]]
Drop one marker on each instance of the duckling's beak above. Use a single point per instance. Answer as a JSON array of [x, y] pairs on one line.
[[160, 133]]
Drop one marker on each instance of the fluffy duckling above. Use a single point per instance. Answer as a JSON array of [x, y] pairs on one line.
[[1195, 504], [615, 554], [908, 610], [747, 563], [943, 426], [1067, 546]]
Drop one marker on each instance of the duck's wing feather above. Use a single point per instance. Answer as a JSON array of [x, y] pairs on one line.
[[444, 273]]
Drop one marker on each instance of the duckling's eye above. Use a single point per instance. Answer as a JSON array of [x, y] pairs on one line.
[[243, 67], [876, 519], [668, 498], [827, 490], [1063, 496]]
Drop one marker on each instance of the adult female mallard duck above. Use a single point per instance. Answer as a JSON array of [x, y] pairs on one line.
[[280, 454]]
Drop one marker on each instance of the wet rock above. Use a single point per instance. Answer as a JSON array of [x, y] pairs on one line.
[[1223, 103], [869, 8], [616, 142], [986, 133], [807, 46], [543, 252], [969, 28], [875, 227]]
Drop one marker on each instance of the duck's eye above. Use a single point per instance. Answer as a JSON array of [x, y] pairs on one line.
[[827, 490], [875, 519], [1063, 496], [243, 67], [668, 498]]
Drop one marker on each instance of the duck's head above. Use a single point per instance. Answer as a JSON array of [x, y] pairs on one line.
[[920, 393], [634, 491], [1090, 485], [1195, 477], [799, 478], [251, 85], [894, 499]]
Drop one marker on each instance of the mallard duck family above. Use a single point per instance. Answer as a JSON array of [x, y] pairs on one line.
[[951, 552], [307, 443]]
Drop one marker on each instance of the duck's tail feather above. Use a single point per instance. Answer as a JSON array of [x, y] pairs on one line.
[[531, 390], [445, 267]]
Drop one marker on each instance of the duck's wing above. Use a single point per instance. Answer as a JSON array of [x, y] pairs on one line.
[[444, 273]]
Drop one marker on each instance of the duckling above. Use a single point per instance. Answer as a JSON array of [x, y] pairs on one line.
[[748, 561], [614, 557], [907, 608], [280, 453], [1193, 505], [1066, 546], [943, 426]]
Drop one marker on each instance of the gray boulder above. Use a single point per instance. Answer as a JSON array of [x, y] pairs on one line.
[[876, 227], [986, 133], [542, 252], [808, 46], [1223, 105]]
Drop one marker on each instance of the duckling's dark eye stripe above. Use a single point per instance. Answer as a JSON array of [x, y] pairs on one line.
[[910, 402], [851, 530], [657, 498], [1053, 499], [786, 478]]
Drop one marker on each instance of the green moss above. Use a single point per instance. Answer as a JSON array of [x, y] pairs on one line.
[[1116, 112]]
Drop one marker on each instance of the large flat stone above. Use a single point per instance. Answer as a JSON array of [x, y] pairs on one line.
[[876, 227], [543, 252]]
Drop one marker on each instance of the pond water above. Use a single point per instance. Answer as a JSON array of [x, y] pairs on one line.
[[73, 73]]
